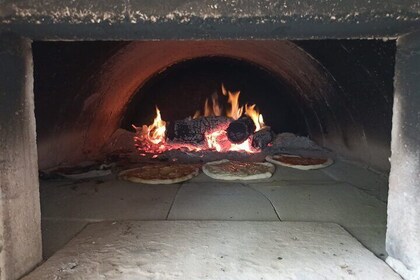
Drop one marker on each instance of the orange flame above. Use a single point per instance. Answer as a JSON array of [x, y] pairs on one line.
[[156, 131], [217, 110], [152, 138], [196, 114], [254, 114], [208, 111], [235, 111], [213, 109]]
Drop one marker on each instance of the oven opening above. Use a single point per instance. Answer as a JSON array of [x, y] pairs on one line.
[[317, 112]]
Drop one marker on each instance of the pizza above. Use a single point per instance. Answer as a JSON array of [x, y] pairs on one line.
[[299, 162], [169, 173], [237, 170]]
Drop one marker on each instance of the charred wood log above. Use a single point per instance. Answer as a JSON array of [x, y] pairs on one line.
[[193, 130], [239, 130], [262, 138]]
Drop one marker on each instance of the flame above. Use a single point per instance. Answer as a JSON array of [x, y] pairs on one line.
[[196, 114], [213, 109], [208, 111], [217, 110], [224, 91], [254, 114], [152, 138], [235, 111], [156, 131]]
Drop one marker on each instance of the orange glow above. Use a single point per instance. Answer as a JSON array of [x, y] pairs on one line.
[[196, 114], [218, 140], [156, 131], [254, 114], [245, 146], [215, 140], [235, 111], [152, 138], [208, 111], [217, 110], [224, 91], [213, 109]]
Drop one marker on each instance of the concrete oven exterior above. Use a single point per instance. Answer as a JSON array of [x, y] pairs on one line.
[[24, 21]]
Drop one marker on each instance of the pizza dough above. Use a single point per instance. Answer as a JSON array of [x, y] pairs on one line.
[[236, 170], [299, 162], [160, 173]]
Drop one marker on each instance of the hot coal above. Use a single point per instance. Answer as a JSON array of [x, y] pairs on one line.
[[193, 130], [262, 138], [239, 130]]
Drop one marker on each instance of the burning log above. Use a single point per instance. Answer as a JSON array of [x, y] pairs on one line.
[[239, 130], [262, 138], [193, 130]]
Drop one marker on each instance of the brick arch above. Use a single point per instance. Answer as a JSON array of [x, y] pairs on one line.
[[134, 63]]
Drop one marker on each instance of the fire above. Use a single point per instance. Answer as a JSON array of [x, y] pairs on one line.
[[219, 141], [156, 131], [217, 110], [152, 138], [211, 108], [254, 114], [235, 111]]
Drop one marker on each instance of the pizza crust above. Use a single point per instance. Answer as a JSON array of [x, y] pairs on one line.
[[160, 173], [292, 164], [235, 170]]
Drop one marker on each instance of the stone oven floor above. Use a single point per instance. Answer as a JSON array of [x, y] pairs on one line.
[[213, 250], [340, 194]]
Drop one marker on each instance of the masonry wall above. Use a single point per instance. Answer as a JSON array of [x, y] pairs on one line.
[[20, 221], [403, 234]]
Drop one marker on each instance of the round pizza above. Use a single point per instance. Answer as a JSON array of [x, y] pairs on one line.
[[169, 173], [237, 170], [299, 162]]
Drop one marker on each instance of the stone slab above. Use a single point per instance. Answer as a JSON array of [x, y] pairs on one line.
[[107, 200], [213, 250], [362, 215], [327, 202], [56, 234], [374, 183], [220, 201], [372, 237]]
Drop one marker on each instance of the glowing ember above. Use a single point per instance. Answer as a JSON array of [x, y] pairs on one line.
[[219, 141], [152, 138]]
